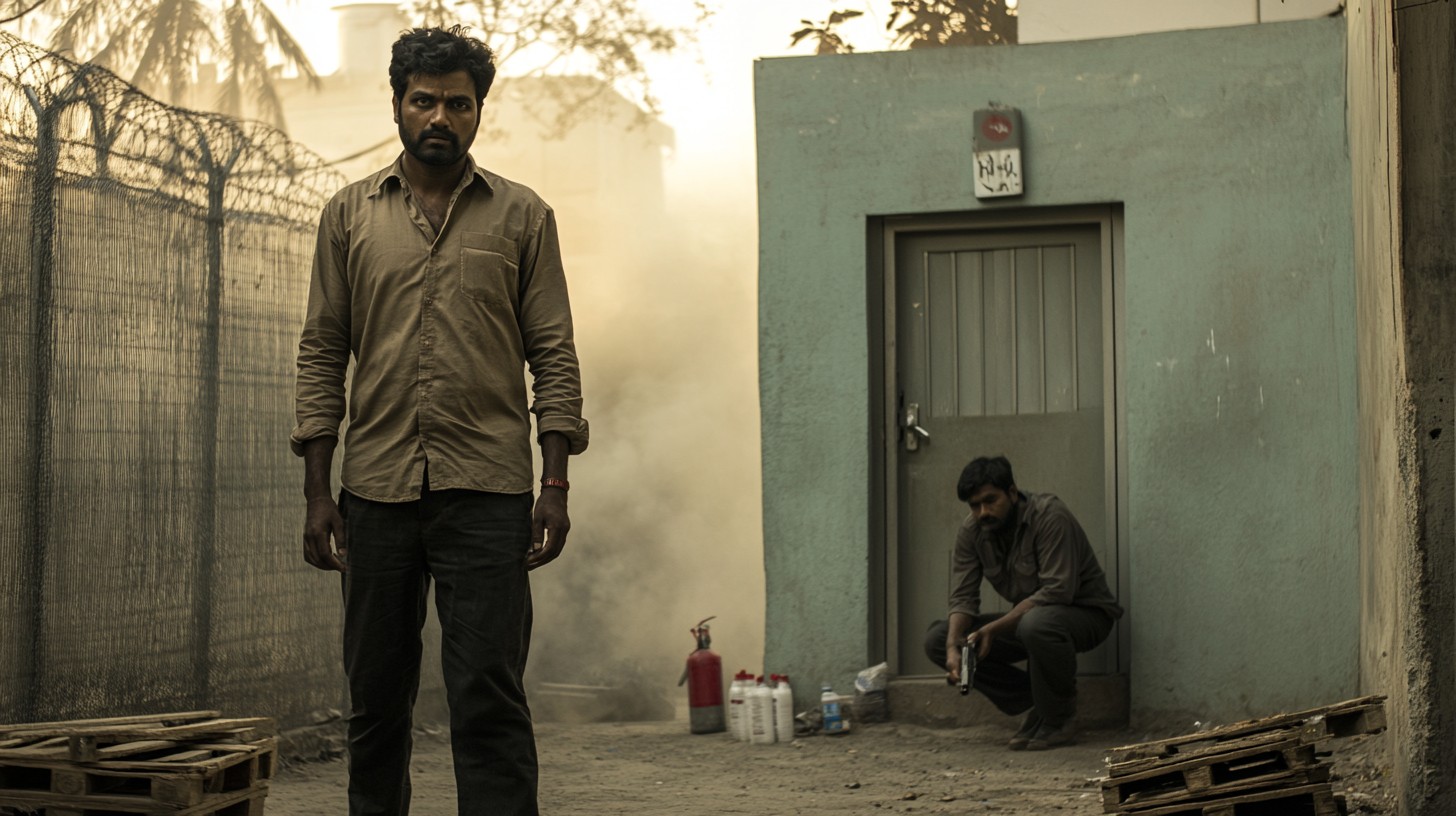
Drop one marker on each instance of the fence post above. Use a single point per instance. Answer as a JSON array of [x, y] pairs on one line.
[[205, 559], [40, 358]]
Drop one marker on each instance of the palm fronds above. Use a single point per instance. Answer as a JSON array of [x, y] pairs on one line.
[[162, 44]]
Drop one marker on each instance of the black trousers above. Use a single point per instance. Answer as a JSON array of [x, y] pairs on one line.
[[474, 546], [1048, 638]]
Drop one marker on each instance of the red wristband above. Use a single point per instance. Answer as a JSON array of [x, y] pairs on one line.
[[561, 483]]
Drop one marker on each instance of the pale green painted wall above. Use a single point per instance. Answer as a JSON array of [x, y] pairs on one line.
[[1227, 149]]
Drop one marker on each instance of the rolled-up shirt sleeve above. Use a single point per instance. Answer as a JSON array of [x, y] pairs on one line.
[[550, 344], [965, 598], [323, 348], [1058, 562]]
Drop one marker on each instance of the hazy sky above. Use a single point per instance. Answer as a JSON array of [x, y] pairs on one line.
[[709, 103]]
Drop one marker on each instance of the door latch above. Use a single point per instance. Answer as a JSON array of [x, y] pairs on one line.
[[913, 431]]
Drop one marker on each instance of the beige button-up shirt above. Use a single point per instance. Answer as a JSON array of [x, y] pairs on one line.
[[441, 328], [1047, 558]]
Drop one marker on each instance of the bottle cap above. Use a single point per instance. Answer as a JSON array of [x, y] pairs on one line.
[[829, 688]]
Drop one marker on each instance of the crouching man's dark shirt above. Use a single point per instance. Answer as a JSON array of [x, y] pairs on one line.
[[1047, 559]]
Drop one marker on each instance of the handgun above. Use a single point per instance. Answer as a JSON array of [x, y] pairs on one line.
[[968, 666]]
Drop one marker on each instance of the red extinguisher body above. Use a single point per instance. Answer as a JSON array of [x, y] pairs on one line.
[[705, 687]]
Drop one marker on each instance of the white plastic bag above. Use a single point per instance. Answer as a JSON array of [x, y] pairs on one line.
[[870, 693]]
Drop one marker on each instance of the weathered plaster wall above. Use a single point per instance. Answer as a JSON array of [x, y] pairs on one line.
[[1384, 513], [1426, 47], [1386, 502], [1402, 93], [1227, 149]]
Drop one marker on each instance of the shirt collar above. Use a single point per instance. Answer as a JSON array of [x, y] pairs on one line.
[[396, 171]]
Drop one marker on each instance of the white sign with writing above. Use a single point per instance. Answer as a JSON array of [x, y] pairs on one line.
[[997, 149], [998, 172]]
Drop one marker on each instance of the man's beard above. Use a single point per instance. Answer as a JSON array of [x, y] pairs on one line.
[[1001, 525], [434, 155]]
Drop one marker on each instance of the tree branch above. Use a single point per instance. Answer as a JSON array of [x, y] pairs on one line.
[[32, 7]]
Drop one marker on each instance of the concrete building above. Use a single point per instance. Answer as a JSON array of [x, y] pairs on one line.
[[1217, 322]]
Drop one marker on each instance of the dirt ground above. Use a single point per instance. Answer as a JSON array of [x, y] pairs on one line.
[[659, 768]]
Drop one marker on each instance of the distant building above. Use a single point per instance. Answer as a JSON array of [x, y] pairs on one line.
[[601, 176]]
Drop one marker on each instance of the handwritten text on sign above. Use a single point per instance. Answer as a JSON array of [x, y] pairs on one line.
[[998, 173]]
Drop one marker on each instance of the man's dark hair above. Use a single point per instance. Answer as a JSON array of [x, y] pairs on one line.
[[440, 51], [987, 470]]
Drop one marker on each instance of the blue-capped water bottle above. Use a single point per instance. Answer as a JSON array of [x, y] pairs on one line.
[[834, 721]]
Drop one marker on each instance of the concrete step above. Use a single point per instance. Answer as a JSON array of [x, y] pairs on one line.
[[1102, 702]]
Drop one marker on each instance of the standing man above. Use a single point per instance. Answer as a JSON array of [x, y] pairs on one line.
[[1034, 553], [444, 281]]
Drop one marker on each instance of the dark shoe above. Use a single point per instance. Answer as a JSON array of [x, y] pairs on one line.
[[1050, 736], [1028, 730]]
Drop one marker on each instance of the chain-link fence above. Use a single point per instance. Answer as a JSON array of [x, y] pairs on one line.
[[153, 273]]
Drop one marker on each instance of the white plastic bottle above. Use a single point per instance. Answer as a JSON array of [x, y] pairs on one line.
[[738, 706], [834, 723], [783, 698], [760, 714]]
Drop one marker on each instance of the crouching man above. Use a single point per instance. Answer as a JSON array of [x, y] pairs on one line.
[[1034, 553]]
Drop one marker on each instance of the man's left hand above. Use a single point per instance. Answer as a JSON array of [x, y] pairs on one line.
[[549, 526], [1006, 624], [982, 640]]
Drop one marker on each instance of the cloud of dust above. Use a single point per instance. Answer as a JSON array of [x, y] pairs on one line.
[[665, 504]]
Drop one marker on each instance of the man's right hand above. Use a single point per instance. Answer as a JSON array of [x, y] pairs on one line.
[[322, 521], [953, 659], [955, 637], [325, 523]]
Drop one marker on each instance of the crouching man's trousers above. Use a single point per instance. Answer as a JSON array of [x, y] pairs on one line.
[[1048, 638]]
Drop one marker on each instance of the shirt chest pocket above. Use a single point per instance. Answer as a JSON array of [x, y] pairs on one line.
[[488, 269], [1025, 564]]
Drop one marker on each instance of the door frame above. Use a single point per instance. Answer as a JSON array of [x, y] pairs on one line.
[[882, 234]]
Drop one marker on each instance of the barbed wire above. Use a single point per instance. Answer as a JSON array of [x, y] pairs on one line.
[[155, 266], [107, 130]]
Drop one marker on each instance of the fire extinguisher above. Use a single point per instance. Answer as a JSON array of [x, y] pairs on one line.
[[704, 676]]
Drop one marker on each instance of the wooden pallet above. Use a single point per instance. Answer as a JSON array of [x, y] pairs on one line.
[[1302, 800], [95, 740], [178, 763], [1285, 763], [1198, 751], [238, 803], [150, 720], [1264, 767], [1365, 715]]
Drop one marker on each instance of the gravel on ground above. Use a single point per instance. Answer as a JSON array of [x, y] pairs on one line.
[[659, 768]]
